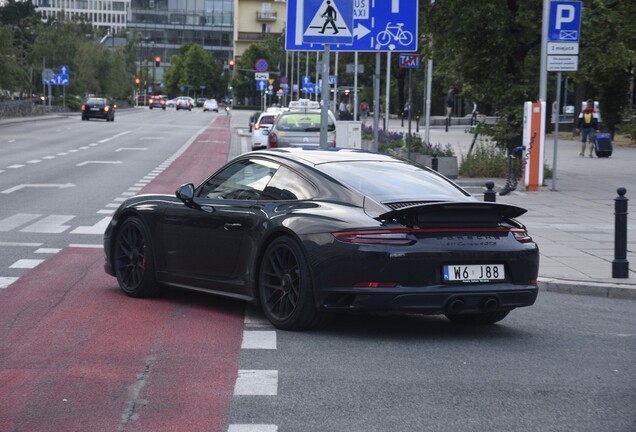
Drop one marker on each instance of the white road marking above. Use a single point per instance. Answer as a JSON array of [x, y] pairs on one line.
[[259, 339], [53, 224], [256, 383], [86, 246], [252, 428], [38, 185], [98, 162], [106, 211], [20, 244], [26, 263], [15, 166], [48, 250], [131, 148], [17, 220], [5, 281], [98, 228]]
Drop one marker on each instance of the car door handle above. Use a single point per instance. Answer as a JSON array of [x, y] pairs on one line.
[[232, 226]]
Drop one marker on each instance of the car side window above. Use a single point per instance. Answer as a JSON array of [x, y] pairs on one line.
[[243, 180], [287, 185]]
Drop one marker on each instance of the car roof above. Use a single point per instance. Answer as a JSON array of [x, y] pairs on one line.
[[318, 156]]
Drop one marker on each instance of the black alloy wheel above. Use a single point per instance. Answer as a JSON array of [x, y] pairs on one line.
[[285, 287], [133, 260]]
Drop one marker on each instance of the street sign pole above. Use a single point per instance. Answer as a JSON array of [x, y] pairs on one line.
[[324, 109]]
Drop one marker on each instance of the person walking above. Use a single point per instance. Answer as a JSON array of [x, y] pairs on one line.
[[364, 111], [588, 127]]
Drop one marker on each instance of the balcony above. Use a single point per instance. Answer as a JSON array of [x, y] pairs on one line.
[[254, 36], [266, 16]]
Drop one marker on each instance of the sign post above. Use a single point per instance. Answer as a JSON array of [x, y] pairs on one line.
[[564, 32]]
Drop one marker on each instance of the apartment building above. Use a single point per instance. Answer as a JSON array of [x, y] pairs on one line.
[[254, 20]]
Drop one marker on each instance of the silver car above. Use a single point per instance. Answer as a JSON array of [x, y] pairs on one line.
[[300, 126]]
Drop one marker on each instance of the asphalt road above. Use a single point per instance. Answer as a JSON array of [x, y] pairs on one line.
[[76, 354]]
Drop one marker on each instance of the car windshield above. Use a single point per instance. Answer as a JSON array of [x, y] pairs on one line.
[[303, 122], [393, 181]]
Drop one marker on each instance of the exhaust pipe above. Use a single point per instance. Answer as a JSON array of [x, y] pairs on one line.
[[490, 305], [455, 306]]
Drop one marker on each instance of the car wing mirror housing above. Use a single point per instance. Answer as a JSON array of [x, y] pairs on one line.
[[186, 193]]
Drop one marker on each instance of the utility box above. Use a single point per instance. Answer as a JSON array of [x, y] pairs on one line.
[[349, 134]]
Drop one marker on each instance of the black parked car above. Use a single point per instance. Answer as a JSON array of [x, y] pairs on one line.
[[98, 108], [306, 232]]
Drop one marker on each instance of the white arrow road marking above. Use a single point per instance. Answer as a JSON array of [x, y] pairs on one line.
[[98, 228], [53, 224], [26, 185], [131, 148], [98, 162]]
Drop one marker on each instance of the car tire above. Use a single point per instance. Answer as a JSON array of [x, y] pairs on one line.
[[133, 260], [478, 318], [285, 287]]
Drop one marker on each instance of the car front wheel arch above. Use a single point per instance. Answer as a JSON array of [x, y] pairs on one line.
[[285, 287]]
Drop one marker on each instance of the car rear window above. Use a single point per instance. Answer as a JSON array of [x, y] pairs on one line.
[[302, 122], [268, 120], [393, 181]]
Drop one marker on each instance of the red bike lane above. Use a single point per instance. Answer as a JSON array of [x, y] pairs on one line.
[[76, 354]]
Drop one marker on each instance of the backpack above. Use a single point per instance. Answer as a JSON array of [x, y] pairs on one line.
[[364, 106], [587, 117]]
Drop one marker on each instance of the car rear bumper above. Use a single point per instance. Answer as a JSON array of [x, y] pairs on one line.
[[432, 300]]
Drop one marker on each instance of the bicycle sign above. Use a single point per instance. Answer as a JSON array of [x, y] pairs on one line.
[[386, 25]]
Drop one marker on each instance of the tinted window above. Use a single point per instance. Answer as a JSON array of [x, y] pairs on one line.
[[287, 185], [393, 181], [267, 119], [245, 179]]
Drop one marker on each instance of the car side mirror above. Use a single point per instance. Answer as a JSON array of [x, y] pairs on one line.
[[186, 193]]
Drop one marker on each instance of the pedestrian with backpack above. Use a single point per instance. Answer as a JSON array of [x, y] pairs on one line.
[[588, 127], [364, 111]]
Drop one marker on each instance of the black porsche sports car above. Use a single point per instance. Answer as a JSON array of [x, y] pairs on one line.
[[303, 233]]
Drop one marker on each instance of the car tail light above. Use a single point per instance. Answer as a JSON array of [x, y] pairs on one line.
[[521, 235], [83, 107], [257, 126], [399, 237], [272, 140]]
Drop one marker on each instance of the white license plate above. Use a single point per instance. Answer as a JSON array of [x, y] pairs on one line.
[[473, 273]]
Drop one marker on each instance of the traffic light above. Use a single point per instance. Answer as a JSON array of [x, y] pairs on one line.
[[231, 63], [137, 81], [157, 61]]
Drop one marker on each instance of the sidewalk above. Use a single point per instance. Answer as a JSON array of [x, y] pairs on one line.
[[573, 224]]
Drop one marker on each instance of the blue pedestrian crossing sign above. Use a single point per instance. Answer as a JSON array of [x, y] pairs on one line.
[[327, 21]]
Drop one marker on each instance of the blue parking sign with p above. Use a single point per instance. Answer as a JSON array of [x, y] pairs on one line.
[[565, 21]]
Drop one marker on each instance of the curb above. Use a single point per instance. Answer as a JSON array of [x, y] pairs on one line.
[[596, 289]]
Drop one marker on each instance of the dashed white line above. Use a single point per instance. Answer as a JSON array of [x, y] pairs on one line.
[[26, 263], [252, 428], [6, 281], [47, 250], [259, 339], [256, 383]]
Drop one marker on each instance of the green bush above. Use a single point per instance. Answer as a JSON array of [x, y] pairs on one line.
[[629, 128], [487, 160]]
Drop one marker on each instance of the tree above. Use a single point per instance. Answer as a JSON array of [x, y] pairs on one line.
[[243, 84]]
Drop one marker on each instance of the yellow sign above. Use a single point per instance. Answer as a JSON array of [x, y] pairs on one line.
[[271, 81]]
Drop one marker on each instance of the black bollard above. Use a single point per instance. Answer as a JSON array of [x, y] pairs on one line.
[[490, 195], [402, 118], [620, 265], [435, 163], [417, 125]]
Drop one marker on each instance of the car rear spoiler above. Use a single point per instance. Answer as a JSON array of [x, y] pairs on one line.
[[456, 212]]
